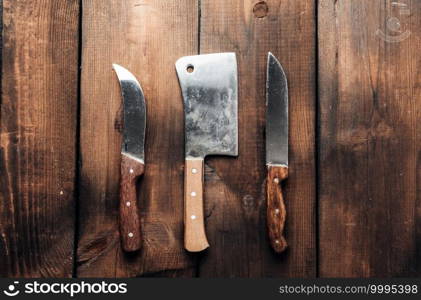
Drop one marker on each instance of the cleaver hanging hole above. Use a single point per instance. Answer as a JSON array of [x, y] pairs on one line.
[[190, 69]]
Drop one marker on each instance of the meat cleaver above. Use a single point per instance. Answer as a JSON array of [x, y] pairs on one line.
[[276, 150], [132, 157], [209, 88]]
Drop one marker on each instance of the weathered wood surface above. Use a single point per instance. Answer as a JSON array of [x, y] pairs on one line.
[[146, 37], [234, 192], [368, 146], [235, 187], [38, 137], [369, 150]]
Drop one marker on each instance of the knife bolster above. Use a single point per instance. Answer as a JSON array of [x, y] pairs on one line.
[[194, 228], [131, 169], [276, 212]]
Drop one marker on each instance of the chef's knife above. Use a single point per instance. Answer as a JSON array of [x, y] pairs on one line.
[[276, 150], [209, 87], [132, 157]]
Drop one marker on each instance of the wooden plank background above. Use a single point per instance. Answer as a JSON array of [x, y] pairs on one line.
[[38, 137], [353, 199], [369, 145]]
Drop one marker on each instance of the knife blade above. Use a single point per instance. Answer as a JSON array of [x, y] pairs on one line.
[[132, 157], [276, 150], [209, 88]]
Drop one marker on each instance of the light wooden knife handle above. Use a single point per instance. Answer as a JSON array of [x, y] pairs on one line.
[[194, 225], [130, 232], [276, 213]]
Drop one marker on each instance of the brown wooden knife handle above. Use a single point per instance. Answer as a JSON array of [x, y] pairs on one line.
[[131, 169], [194, 224], [276, 213]]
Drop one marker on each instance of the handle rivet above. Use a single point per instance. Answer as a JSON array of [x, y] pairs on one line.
[[130, 234], [193, 217], [276, 180], [193, 194], [131, 171], [194, 170], [128, 203]]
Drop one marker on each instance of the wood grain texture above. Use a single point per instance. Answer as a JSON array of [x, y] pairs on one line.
[[38, 137], [130, 231], [194, 228], [369, 128], [235, 188], [276, 212], [146, 37], [369, 148]]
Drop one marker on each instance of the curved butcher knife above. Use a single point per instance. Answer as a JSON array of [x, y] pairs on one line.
[[132, 157], [209, 87], [276, 150]]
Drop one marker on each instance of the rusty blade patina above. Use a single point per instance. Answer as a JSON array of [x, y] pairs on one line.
[[209, 86]]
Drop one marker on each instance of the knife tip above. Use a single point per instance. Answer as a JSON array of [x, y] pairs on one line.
[[272, 58]]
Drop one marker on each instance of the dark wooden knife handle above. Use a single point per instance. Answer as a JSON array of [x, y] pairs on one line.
[[276, 213], [131, 169], [194, 224]]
